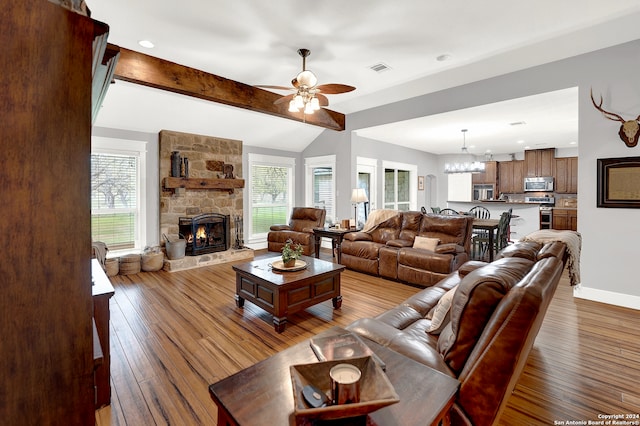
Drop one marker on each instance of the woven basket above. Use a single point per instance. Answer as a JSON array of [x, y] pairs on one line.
[[130, 264], [152, 262], [111, 267]]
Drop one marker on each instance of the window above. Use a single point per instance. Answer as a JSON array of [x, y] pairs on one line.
[[321, 186], [270, 193], [117, 194], [367, 179], [399, 186]]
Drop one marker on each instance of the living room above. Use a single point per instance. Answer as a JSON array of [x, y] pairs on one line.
[[608, 69]]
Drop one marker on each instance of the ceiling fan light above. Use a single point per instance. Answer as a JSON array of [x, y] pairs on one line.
[[315, 104], [308, 108], [298, 101], [307, 78], [292, 106]]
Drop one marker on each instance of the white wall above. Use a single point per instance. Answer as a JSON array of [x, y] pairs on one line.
[[609, 247]]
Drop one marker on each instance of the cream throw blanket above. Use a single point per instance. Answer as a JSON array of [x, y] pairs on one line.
[[572, 239], [376, 217]]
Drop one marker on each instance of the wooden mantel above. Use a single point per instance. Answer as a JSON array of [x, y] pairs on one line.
[[203, 183]]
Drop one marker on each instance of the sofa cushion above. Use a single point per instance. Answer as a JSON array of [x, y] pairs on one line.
[[420, 259], [387, 230], [304, 219], [410, 225], [448, 229], [478, 294], [524, 249], [439, 315], [426, 243]]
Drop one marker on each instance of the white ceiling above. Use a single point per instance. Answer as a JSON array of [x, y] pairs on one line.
[[256, 43]]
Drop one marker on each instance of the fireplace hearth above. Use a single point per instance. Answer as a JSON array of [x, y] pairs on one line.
[[205, 233]]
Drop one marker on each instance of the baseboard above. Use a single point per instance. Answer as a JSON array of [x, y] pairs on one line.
[[608, 297]]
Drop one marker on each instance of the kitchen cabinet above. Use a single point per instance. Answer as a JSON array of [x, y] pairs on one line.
[[565, 219], [510, 176], [539, 162], [566, 175], [488, 176]]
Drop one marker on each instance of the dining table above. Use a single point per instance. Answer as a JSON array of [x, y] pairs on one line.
[[490, 226]]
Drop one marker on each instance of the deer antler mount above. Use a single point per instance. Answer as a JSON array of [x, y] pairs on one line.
[[629, 130]]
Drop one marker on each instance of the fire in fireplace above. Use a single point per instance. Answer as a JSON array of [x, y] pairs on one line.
[[205, 233]]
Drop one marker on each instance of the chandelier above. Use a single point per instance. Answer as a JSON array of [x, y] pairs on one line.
[[305, 99], [471, 166]]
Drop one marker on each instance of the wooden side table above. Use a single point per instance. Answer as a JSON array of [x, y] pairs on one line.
[[336, 236], [102, 290], [426, 395]]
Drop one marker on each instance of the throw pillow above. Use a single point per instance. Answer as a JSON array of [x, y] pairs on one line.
[[426, 243], [440, 314]]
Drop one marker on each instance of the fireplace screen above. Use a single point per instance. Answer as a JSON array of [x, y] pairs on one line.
[[205, 233]]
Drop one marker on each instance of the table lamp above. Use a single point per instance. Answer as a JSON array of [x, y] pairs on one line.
[[357, 196]]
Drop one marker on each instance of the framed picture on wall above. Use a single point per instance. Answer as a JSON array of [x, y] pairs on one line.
[[619, 182], [420, 183]]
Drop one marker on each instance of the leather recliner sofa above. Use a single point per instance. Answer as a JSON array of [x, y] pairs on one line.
[[299, 230], [496, 310], [388, 249]]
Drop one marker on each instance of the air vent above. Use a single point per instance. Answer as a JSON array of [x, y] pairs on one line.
[[380, 67], [517, 123]]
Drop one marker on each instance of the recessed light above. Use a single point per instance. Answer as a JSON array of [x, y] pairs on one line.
[[443, 57], [527, 147], [520, 141], [488, 151], [146, 43], [573, 143]]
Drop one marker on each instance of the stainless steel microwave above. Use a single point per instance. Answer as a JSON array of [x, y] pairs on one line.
[[538, 184]]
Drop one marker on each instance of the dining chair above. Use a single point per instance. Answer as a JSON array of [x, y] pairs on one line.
[[435, 209], [448, 211], [480, 212], [423, 210], [500, 240]]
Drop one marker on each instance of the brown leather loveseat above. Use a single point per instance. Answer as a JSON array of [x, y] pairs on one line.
[[487, 332], [299, 229], [389, 249]]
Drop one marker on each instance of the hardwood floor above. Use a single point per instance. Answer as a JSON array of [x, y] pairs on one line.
[[173, 334]]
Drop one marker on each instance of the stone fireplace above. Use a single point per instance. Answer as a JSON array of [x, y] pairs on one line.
[[204, 192]]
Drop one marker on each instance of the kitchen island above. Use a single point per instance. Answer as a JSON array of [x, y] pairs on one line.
[[527, 220]]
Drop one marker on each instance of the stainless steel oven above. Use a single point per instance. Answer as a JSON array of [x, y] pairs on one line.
[[546, 217]]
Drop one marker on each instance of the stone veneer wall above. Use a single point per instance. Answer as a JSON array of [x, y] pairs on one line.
[[191, 202]]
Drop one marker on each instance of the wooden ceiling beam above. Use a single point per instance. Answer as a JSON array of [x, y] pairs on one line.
[[136, 67]]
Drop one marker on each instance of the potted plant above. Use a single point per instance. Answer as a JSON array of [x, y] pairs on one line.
[[291, 252]]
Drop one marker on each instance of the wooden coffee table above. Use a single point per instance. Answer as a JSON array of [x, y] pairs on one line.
[[263, 393], [283, 293]]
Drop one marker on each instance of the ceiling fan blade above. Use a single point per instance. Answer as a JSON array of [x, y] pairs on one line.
[[266, 86], [334, 89], [324, 101], [284, 99]]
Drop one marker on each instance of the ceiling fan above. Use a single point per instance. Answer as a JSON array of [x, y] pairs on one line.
[[308, 96]]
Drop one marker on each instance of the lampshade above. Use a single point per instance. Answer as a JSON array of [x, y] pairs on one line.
[[359, 196]]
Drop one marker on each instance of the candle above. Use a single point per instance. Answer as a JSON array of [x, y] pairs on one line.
[[345, 383], [345, 373]]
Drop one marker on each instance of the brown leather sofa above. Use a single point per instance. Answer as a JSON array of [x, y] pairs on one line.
[[495, 314], [299, 229], [388, 251]]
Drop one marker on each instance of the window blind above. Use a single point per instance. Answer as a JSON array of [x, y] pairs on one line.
[[114, 186]]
